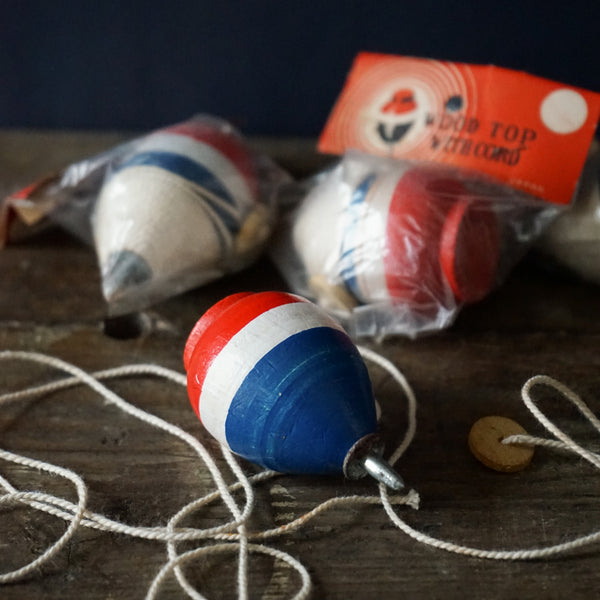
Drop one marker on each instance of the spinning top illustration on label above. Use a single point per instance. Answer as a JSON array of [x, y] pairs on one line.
[[275, 379], [174, 208], [413, 235]]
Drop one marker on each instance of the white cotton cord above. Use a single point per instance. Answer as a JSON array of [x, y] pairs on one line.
[[15, 496], [302, 594], [234, 536], [411, 499], [144, 416], [399, 378], [511, 555], [243, 481], [66, 510], [59, 507], [123, 371], [551, 427], [243, 564], [531, 440], [565, 442], [107, 394], [243, 551]]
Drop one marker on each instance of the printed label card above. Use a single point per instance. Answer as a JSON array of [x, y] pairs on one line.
[[531, 133]]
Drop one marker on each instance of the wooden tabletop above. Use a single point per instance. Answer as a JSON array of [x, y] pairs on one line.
[[537, 322]]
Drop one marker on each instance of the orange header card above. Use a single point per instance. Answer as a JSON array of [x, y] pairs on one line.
[[530, 132]]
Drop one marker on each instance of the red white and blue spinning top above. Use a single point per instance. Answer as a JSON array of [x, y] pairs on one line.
[[278, 381]]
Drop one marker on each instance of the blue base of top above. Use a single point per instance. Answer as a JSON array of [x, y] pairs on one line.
[[304, 405]]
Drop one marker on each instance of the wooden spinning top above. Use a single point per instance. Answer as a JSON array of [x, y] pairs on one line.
[[173, 210], [275, 379]]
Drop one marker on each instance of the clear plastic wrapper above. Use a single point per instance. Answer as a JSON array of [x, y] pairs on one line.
[[397, 247], [166, 212], [572, 241]]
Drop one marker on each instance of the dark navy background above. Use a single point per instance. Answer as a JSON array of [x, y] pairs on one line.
[[272, 67]]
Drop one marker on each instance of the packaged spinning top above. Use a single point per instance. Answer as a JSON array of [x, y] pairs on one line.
[[397, 247], [182, 209], [447, 176], [168, 211]]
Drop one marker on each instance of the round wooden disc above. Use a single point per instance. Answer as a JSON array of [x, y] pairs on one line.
[[485, 442]]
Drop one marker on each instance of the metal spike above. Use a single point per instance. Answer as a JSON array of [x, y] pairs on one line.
[[379, 469]]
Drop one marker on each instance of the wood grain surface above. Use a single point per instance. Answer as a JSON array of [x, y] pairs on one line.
[[538, 322]]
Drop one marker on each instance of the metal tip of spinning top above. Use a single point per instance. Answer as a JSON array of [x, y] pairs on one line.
[[378, 468], [365, 458], [124, 269]]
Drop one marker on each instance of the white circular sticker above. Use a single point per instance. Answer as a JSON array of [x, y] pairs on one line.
[[564, 111]]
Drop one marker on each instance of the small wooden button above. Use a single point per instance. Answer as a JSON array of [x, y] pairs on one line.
[[485, 442]]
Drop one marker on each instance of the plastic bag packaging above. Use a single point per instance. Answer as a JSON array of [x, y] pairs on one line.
[[572, 241], [167, 211], [397, 247]]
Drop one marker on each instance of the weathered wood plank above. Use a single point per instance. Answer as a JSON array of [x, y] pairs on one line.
[[50, 302]]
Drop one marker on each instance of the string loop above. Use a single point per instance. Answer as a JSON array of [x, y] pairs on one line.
[[564, 442]]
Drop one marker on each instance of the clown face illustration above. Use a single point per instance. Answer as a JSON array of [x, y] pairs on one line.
[[402, 108]]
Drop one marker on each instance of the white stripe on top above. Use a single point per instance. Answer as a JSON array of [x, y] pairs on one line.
[[243, 351], [205, 154]]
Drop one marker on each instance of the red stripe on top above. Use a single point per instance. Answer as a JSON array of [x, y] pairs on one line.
[[228, 144], [217, 326]]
